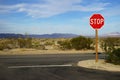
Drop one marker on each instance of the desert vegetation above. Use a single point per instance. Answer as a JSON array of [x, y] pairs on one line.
[[77, 43], [12, 43], [111, 46]]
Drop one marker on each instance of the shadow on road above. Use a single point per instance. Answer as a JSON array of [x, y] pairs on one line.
[[55, 73]]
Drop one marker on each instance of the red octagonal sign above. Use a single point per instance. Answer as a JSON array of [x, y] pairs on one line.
[[96, 21]]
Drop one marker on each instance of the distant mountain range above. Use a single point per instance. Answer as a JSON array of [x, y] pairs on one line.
[[114, 34], [10, 35], [54, 35]]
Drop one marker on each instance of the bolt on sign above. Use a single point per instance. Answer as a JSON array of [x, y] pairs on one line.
[[96, 22]]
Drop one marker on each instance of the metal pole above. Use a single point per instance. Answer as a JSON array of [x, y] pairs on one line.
[[96, 48]]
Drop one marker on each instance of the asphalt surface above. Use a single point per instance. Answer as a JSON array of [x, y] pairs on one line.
[[51, 73], [45, 59]]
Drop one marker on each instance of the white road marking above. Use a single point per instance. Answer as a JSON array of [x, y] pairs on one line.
[[35, 66]]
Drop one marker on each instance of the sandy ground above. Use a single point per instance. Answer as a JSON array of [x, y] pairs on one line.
[[101, 65], [34, 51]]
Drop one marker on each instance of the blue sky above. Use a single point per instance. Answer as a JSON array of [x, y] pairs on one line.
[[57, 16]]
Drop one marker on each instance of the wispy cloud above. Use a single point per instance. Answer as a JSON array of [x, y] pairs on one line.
[[10, 8], [52, 7], [112, 11]]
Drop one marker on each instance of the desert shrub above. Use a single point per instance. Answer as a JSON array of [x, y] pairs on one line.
[[28, 42], [48, 43], [65, 45], [114, 56], [110, 43], [5, 44], [2, 46], [25, 42], [81, 42], [40, 47], [21, 42]]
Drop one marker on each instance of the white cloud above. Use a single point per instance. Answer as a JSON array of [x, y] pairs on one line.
[[91, 7], [112, 11], [10, 8], [52, 7]]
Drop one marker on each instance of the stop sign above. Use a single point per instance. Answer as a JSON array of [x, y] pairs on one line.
[[96, 21]]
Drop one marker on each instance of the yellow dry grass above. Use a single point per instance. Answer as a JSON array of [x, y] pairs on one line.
[[25, 51]]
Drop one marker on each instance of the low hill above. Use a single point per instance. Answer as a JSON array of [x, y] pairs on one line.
[[55, 35]]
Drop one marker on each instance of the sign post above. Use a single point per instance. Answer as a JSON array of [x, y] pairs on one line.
[[96, 45], [96, 22]]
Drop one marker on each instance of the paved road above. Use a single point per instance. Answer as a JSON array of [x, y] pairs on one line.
[[51, 59], [51, 73]]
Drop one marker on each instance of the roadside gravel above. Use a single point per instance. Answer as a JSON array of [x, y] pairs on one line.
[[101, 65]]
